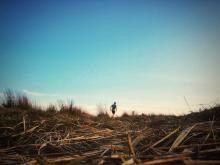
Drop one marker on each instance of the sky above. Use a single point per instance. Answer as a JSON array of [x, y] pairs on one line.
[[150, 56]]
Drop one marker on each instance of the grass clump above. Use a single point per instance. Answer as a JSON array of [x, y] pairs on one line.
[[51, 109], [72, 111], [14, 100], [102, 113]]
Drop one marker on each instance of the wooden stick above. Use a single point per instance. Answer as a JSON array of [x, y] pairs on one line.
[[166, 137], [131, 148], [201, 162], [164, 161], [24, 123]]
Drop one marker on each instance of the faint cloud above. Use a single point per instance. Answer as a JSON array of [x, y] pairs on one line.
[[34, 93]]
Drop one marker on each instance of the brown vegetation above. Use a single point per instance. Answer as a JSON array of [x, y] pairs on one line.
[[68, 135]]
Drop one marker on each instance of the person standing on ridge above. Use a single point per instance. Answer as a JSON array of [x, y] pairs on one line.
[[113, 108]]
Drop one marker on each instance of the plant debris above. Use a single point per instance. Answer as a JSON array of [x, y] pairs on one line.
[[126, 140]]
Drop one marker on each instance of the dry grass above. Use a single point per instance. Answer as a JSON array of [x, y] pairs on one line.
[[69, 135]]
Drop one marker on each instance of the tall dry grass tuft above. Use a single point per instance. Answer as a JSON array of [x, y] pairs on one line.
[[51, 109], [102, 113], [72, 111], [8, 99], [12, 99], [23, 102]]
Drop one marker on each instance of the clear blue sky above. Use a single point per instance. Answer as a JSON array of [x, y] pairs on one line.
[[145, 55]]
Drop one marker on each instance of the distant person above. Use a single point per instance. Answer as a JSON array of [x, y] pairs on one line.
[[113, 108]]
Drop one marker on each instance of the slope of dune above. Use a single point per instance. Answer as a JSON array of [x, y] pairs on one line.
[[74, 137]]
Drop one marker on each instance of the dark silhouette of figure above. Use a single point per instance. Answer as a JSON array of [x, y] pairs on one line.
[[113, 108]]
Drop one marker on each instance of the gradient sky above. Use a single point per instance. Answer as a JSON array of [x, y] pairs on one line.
[[145, 55]]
